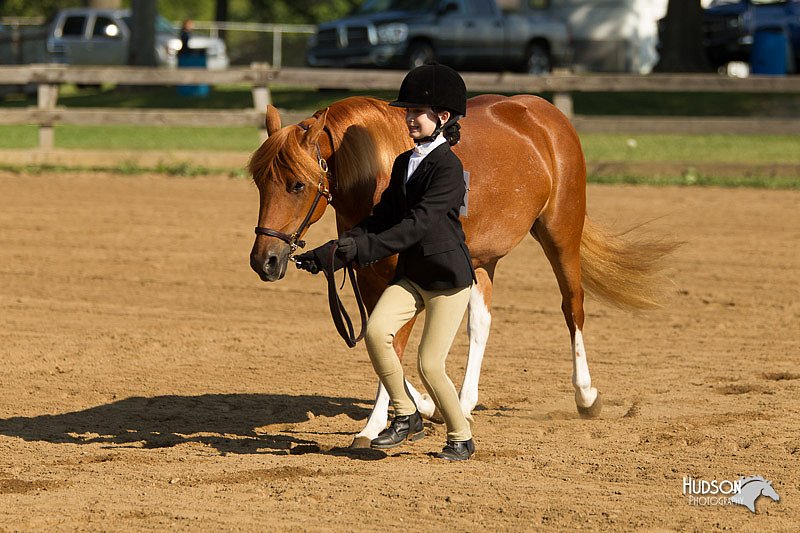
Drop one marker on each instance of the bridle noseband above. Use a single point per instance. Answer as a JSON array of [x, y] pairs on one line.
[[323, 191]]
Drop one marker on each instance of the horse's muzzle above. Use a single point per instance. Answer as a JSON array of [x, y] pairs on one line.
[[270, 265]]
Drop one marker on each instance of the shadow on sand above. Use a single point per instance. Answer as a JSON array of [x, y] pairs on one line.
[[226, 422]]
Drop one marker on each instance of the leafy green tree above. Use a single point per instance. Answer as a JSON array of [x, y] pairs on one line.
[[293, 11], [274, 11], [40, 8]]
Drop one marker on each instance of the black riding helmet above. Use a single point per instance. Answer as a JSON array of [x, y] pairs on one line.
[[433, 85], [436, 86]]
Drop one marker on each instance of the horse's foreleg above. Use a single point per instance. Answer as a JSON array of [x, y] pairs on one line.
[[377, 419], [563, 252], [424, 402], [379, 416], [479, 320]]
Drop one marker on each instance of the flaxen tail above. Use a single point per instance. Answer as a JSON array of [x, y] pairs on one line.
[[624, 269]]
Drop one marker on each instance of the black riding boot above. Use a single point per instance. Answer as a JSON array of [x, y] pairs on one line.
[[402, 428], [457, 450]]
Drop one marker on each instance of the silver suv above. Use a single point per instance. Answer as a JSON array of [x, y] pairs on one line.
[[87, 36]]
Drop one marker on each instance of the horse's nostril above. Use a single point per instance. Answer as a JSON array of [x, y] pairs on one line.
[[272, 263]]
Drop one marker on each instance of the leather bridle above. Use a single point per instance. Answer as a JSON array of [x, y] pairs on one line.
[[323, 191], [341, 319]]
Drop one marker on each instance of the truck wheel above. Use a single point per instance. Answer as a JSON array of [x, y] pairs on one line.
[[419, 54], [537, 60]]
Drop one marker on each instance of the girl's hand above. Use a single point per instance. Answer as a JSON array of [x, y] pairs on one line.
[[347, 249]]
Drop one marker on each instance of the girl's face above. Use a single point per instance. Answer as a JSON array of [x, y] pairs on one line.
[[421, 121]]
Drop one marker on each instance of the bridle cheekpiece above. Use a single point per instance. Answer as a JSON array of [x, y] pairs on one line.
[[323, 191]]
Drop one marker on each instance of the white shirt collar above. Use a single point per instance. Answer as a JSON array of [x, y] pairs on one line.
[[419, 153], [423, 149]]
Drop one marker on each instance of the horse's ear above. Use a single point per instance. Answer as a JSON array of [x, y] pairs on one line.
[[315, 129], [272, 120]]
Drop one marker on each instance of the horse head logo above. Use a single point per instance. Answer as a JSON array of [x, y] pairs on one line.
[[752, 488]]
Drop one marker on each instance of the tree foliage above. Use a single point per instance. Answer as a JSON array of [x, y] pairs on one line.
[[274, 11]]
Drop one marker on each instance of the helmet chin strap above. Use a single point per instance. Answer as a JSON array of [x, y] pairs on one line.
[[439, 128]]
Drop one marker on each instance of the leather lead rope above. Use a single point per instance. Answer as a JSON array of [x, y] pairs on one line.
[[341, 318]]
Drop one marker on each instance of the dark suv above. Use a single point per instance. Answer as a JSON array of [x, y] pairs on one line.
[[730, 25], [470, 34]]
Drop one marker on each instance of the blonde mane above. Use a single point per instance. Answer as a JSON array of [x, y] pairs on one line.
[[283, 152], [366, 133]]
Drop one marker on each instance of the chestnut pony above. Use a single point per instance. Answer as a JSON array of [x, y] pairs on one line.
[[527, 176]]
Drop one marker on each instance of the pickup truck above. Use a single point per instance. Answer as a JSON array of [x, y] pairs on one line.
[[465, 34], [95, 36], [730, 25]]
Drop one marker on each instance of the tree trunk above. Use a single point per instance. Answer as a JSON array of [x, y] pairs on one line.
[[682, 38], [143, 33], [221, 15]]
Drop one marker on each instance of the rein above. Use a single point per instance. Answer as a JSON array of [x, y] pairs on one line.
[[341, 318]]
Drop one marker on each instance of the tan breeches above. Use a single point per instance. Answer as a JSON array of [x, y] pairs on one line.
[[444, 310]]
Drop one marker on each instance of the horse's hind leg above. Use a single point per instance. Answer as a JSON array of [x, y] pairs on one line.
[[479, 320], [561, 244]]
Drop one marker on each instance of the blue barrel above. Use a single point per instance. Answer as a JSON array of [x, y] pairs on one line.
[[768, 53], [194, 58]]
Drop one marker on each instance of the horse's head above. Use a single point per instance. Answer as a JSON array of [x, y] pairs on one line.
[[769, 491], [293, 187]]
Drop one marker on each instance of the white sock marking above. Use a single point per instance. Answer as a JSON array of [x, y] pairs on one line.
[[379, 416], [479, 320], [585, 394]]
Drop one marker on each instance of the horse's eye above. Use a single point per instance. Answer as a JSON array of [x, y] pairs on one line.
[[298, 186]]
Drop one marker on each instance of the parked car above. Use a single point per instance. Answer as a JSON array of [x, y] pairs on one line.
[[90, 36], [466, 34], [730, 25]]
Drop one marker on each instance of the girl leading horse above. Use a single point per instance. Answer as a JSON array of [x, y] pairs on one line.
[[527, 174]]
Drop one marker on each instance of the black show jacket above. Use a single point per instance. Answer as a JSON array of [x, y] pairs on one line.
[[419, 220]]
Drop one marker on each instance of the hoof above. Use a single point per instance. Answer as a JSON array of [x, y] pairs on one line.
[[360, 443], [593, 411]]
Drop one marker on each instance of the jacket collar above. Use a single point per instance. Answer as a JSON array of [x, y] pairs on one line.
[[426, 163]]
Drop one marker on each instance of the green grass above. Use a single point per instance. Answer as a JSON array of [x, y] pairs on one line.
[[707, 148], [134, 138], [597, 147], [125, 168], [692, 179]]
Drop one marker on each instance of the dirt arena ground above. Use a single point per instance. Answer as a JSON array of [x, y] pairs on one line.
[[150, 381]]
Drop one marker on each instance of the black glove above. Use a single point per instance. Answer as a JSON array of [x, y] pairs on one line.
[[314, 260], [347, 249], [308, 261]]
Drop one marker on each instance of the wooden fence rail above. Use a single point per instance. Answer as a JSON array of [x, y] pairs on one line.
[[260, 77]]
